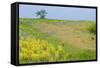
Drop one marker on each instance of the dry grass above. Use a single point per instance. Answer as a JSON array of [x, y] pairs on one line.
[[74, 34]]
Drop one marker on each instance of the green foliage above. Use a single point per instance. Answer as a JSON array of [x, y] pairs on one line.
[[42, 13], [92, 28]]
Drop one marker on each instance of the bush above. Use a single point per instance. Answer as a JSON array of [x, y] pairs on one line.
[[92, 29]]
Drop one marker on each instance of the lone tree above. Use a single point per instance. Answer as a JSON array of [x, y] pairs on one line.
[[42, 13]]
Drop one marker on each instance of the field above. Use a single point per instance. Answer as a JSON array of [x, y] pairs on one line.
[[50, 40]]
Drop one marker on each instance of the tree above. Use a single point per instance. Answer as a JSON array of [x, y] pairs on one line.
[[42, 13]]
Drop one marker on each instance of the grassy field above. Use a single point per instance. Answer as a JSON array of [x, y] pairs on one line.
[[50, 40]]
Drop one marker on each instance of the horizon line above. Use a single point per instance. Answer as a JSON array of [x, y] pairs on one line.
[[59, 19]]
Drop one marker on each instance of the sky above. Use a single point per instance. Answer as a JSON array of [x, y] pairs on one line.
[[55, 12]]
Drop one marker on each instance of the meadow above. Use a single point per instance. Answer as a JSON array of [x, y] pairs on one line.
[[51, 40]]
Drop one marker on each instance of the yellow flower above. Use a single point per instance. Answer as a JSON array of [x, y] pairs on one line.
[[37, 50]]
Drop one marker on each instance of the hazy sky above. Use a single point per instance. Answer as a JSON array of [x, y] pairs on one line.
[[54, 12]]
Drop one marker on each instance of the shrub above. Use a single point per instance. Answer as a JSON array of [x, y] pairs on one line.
[[92, 29]]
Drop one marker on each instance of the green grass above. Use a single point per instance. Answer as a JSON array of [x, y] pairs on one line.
[[41, 29], [40, 20]]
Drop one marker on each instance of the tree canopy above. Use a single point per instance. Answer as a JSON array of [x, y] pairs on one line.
[[42, 13]]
